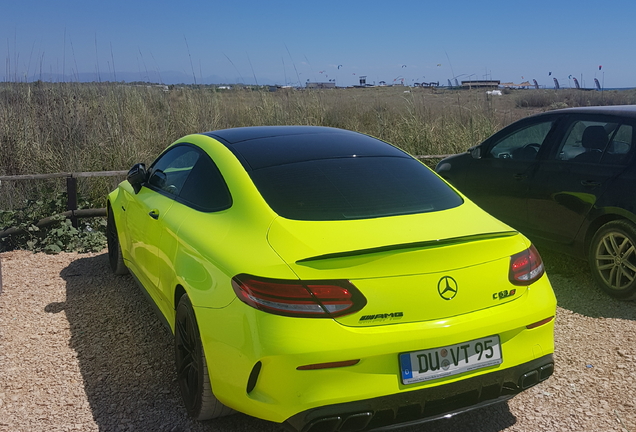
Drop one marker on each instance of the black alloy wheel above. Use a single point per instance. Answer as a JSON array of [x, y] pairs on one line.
[[612, 259], [192, 370]]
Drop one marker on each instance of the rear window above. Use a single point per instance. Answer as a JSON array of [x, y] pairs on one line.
[[353, 188]]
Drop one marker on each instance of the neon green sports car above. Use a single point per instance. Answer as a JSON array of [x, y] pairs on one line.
[[327, 280]]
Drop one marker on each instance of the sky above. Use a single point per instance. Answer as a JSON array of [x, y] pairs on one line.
[[293, 42]]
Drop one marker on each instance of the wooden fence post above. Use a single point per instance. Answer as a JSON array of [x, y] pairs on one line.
[[71, 197]]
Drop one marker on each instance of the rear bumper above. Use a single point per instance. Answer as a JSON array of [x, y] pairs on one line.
[[254, 363], [426, 404]]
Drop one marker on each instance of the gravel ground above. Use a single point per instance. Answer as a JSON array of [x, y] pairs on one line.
[[81, 349]]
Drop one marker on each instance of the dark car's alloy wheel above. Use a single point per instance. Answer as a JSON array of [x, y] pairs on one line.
[[613, 259], [114, 248], [192, 370]]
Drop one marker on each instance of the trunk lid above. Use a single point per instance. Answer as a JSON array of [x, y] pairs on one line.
[[410, 268]]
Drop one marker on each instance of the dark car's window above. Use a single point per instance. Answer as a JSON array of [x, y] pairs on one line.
[[353, 188], [205, 189], [522, 144], [606, 142], [171, 170], [620, 145]]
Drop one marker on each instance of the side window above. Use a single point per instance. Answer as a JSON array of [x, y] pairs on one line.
[[522, 144], [170, 171], [619, 146], [596, 142], [205, 189]]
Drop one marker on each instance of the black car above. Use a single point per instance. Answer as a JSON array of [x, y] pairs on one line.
[[567, 179]]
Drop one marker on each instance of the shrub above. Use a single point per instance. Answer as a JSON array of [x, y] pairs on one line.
[[58, 236]]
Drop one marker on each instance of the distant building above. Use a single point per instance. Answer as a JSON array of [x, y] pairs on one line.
[[425, 84], [363, 83], [481, 84], [320, 85]]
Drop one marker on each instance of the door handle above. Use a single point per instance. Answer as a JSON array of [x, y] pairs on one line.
[[590, 183], [519, 176], [154, 214]]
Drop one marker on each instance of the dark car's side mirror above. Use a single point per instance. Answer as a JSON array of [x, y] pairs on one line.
[[475, 152], [137, 176]]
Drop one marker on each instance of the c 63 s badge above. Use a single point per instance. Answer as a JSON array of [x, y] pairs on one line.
[[503, 294]]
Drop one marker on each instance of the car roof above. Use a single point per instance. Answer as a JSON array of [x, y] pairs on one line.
[[236, 135], [619, 110], [264, 146]]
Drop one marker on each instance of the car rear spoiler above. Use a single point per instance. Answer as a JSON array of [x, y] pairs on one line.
[[427, 244]]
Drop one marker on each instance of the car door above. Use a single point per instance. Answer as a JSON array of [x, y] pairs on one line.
[[148, 215], [196, 217], [498, 180], [566, 186]]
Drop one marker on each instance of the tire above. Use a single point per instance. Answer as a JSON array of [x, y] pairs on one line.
[[612, 259], [115, 257], [192, 369]]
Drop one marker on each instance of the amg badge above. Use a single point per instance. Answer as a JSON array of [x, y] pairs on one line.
[[394, 315]]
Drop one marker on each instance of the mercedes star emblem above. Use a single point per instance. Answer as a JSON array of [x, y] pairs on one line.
[[447, 288]]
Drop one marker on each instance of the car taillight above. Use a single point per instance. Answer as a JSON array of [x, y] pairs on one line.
[[526, 267], [318, 299]]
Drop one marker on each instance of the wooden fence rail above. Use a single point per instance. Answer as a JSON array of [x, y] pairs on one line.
[[61, 175], [71, 192], [71, 195]]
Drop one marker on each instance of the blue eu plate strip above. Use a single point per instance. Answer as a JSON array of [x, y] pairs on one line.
[[405, 365]]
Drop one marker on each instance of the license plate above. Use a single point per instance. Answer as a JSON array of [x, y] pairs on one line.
[[442, 362]]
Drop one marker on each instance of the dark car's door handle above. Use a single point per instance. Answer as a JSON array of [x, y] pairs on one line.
[[519, 176], [154, 214], [590, 183]]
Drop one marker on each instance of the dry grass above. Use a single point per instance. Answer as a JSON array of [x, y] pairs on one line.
[[552, 99], [68, 127]]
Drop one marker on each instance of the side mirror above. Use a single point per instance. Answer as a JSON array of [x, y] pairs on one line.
[[137, 176], [475, 152]]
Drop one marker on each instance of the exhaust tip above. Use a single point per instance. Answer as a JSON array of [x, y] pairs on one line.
[[529, 379], [545, 371]]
